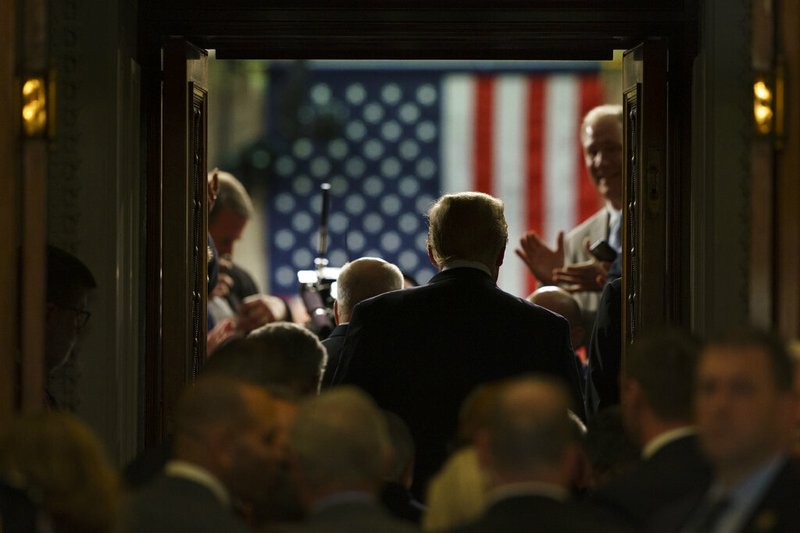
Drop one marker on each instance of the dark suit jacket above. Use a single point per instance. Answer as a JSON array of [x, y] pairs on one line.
[[668, 475], [174, 505], [778, 511], [333, 345], [419, 352], [351, 517], [605, 345], [533, 512]]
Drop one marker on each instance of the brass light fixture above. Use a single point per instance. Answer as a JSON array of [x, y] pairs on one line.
[[34, 107], [763, 102]]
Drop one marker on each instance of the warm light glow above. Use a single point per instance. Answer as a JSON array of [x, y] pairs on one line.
[[761, 91], [34, 107], [762, 107]]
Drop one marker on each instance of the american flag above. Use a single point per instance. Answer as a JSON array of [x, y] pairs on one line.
[[391, 138]]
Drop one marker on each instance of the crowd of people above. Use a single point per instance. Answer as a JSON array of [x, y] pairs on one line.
[[452, 406]]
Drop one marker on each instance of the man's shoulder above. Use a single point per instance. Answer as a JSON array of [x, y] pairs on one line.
[[354, 516], [598, 220], [780, 499], [674, 471], [176, 504]]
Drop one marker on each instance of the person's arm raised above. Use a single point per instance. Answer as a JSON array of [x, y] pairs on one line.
[[540, 259]]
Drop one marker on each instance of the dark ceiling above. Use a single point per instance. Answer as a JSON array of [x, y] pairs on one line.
[[565, 29]]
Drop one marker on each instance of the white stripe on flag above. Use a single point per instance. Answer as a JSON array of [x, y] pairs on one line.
[[509, 156], [458, 133], [562, 98]]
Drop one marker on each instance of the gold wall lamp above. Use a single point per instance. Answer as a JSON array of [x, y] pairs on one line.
[[34, 107], [768, 102]]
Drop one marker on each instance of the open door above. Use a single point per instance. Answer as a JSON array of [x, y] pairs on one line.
[[178, 261], [646, 241]]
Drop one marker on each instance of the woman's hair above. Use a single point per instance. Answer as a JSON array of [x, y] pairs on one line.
[[62, 466]]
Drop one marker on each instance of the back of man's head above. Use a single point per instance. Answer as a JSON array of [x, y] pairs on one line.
[[663, 364], [231, 195], [275, 356], [563, 303], [340, 442], [529, 431], [361, 279], [66, 275], [468, 226]]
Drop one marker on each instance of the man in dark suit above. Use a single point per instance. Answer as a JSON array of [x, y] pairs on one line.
[[420, 351], [745, 418], [358, 280], [657, 398], [530, 453], [605, 345], [340, 450], [225, 453]]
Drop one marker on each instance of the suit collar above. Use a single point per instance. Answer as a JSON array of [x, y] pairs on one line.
[[460, 263], [340, 330], [201, 476], [666, 438], [461, 273], [527, 490]]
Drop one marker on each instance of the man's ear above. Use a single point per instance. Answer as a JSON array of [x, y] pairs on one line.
[[483, 448], [336, 311], [501, 255], [430, 256], [221, 444]]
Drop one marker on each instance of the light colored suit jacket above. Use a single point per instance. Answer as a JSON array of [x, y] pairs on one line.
[[593, 228]]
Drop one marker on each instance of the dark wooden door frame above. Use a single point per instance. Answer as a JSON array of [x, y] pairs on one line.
[[392, 29]]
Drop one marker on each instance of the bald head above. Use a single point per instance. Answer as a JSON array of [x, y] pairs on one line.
[[361, 279], [562, 303]]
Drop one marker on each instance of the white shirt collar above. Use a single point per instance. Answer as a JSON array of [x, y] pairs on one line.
[[460, 263], [511, 490], [201, 476], [351, 496], [665, 438], [613, 213]]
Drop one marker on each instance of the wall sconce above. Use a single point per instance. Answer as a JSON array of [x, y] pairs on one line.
[[763, 105], [34, 107]]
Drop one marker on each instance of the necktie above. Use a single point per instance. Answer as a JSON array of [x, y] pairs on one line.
[[615, 233]]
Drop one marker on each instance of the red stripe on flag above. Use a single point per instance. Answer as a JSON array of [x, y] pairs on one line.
[[589, 201], [535, 174], [484, 133]]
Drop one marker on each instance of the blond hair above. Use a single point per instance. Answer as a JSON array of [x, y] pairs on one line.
[[58, 458]]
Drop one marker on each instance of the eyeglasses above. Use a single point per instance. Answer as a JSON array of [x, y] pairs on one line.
[[82, 314]]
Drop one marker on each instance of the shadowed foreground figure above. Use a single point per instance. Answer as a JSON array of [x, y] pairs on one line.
[[657, 407], [55, 476], [745, 409], [224, 453], [341, 453], [530, 453], [283, 358]]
